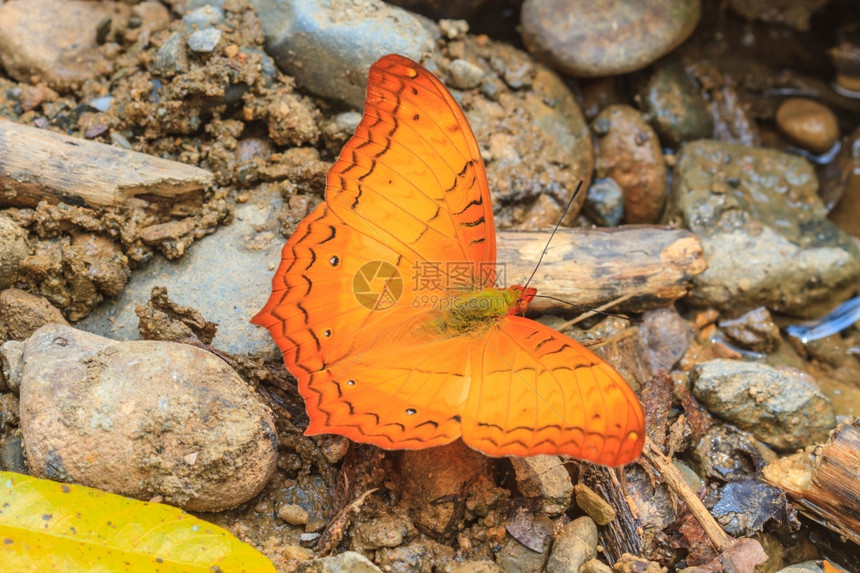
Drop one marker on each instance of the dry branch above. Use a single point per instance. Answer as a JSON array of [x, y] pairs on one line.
[[40, 165], [823, 480], [644, 266]]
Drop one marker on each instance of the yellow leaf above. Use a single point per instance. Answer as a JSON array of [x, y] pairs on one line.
[[57, 527]]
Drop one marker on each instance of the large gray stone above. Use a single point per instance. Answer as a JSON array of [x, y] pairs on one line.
[[329, 45], [764, 231]]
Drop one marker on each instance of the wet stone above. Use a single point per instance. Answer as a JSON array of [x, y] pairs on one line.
[[608, 37], [808, 124], [629, 153], [754, 330], [604, 202], [745, 507], [763, 230], [673, 105], [782, 408], [725, 453]]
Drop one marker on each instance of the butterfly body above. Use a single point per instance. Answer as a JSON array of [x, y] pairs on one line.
[[387, 310]]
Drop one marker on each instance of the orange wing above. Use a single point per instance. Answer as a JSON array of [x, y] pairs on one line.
[[536, 391], [409, 187], [412, 175]]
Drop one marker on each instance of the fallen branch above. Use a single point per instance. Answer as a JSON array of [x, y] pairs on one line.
[[628, 268], [40, 165]]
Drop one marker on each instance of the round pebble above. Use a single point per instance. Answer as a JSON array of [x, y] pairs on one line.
[[808, 124], [591, 39], [629, 152]]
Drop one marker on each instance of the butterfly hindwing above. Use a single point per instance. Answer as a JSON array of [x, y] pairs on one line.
[[535, 390]]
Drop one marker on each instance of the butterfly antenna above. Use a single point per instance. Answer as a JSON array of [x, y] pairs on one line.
[[557, 225], [592, 312]]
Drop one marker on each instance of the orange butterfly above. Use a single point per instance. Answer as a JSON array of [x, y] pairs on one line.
[[385, 308]]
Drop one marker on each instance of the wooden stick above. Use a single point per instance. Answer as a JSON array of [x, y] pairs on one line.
[[644, 266], [823, 480], [670, 474], [40, 165]]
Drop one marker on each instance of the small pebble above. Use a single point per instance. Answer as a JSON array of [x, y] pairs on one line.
[[808, 124], [595, 506], [204, 41], [293, 514], [464, 75]]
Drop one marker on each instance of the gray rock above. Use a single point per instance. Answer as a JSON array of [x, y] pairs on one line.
[[204, 41], [464, 74], [328, 48], [575, 544], [605, 38], [782, 408], [14, 248], [171, 58], [227, 276], [673, 105], [143, 419], [206, 16], [604, 202], [346, 562], [764, 231], [544, 477]]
